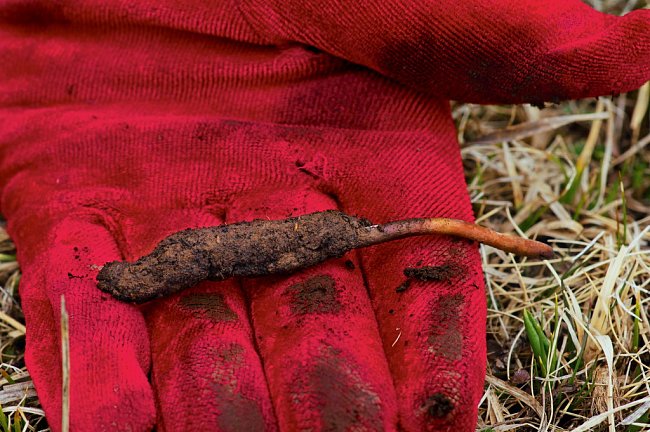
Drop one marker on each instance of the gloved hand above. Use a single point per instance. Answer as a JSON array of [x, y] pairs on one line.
[[123, 122]]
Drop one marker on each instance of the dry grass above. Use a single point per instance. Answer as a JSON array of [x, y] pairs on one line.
[[568, 339]]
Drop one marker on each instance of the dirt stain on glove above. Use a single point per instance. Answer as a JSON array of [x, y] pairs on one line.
[[445, 338], [444, 273], [438, 405], [212, 306], [237, 412], [346, 401], [448, 272], [315, 295]]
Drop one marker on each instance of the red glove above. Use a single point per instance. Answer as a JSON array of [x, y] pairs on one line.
[[122, 123]]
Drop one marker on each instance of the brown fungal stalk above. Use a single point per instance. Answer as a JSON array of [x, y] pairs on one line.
[[264, 247]]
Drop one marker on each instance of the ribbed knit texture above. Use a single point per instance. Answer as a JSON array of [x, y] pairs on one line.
[[122, 122]]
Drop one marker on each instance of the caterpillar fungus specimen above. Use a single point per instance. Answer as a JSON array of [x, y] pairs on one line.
[[264, 247]]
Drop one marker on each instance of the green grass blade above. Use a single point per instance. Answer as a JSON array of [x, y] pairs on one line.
[[7, 257], [635, 327], [4, 422], [535, 342]]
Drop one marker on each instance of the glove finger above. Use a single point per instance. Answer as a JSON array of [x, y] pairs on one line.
[[521, 51], [206, 372], [433, 331], [317, 333], [478, 51], [109, 349]]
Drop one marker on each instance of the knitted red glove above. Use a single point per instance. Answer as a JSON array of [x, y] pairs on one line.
[[123, 122]]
